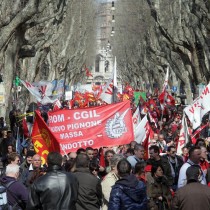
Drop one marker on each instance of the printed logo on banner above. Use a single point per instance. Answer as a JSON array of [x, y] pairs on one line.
[[115, 127], [46, 137]]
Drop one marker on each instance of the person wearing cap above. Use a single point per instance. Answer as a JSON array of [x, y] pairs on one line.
[[194, 195]]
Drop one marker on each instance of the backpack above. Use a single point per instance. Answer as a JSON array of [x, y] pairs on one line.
[[3, 196]]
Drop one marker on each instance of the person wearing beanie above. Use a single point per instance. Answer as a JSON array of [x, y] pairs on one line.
[[193, 195]]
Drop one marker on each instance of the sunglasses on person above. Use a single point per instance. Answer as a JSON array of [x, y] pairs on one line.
[[95, 169]]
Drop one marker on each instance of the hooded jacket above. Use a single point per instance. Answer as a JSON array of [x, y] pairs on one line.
[[128, 193]]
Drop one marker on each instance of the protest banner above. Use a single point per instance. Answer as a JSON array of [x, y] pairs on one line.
[[199, 108], [92, 127]]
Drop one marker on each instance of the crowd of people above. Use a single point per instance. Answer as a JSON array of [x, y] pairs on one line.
[[109, 178], [124, 177]]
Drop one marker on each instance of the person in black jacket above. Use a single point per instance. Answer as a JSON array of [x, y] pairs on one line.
[[175, 162], [56, 189], [156, 159]]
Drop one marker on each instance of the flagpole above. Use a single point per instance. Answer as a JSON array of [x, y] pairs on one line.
[[64, 84], [186, 134], [17, 141], [114, 80]]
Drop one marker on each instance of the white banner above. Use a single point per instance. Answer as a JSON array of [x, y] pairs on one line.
[[141, 131], [136, 118], [165, 84], [183, 137], [107, 94], [41, 90], [199, 108]]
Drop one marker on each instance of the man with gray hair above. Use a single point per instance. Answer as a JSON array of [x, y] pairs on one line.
[[110, 179], [17, 193], [137, 157]]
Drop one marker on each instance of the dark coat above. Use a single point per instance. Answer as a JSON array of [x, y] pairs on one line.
[[17, 192], [193, 196], [3, 147], [24, 170], [56, 190], [179, 162], [90, 191], [128, 193], [166, 167], [156, 188]]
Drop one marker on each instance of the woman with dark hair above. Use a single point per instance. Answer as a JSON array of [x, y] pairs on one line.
[[94, 168], [158, 191], [23, 154], [128, 192]]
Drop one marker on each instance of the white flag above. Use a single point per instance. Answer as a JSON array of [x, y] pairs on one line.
[[115, 74], [136, 118], [41, 90], [199, 108], [141, 131], [183, 137], [107, 93], [165, 84]]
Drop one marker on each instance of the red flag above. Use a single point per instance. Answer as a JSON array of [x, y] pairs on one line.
[[147, 142], [43, 139], [57, 105], [161, 97], [170, 100], [102, 158], [166, 99], [195, 134], [88, 73], [25, 128], [39, 143], [151, 102]]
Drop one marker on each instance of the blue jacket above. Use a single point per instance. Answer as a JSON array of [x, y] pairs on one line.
[[128, 193]]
